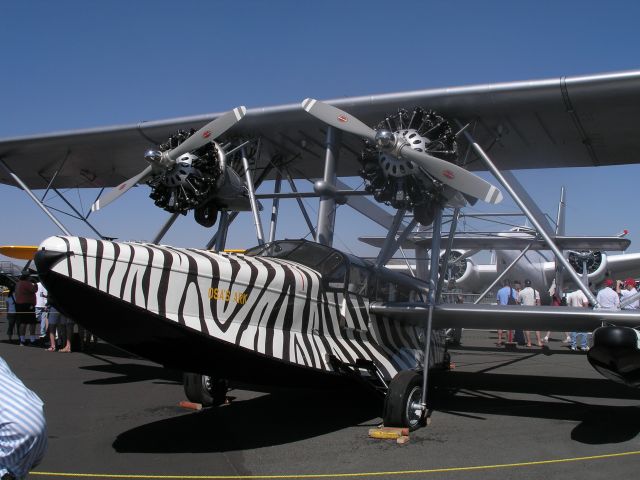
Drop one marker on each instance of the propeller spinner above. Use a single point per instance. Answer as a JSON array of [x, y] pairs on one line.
[[397, 146], [160, 160]]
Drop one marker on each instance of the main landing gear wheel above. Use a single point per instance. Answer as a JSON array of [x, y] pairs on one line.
[[207, 391], [402, 404]]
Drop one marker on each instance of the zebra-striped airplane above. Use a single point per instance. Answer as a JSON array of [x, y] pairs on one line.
[[303, 313], [291, 312]]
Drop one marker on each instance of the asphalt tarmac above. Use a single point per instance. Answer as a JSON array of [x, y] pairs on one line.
[[526, 414]]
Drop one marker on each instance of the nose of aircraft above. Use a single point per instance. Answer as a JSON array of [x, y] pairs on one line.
[[50, 252]]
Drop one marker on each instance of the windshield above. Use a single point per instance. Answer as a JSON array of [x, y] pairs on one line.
[[319, 257]]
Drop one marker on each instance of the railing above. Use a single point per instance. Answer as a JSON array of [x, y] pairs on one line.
[[454, 297]]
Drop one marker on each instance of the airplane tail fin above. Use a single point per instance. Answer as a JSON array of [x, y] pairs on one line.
[[560, 219], [560, 230]]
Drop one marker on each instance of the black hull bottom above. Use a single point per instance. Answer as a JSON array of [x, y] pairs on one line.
[[151, 336], [615, 354]]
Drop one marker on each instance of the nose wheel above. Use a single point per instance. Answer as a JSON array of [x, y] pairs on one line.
[[403, 406]]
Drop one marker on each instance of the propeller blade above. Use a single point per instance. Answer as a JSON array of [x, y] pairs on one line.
[[114, 193], [210, 131], [337, 118], [454, 176]]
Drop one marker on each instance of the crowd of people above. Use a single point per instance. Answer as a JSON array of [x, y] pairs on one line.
[[609, 296], [37, 323]]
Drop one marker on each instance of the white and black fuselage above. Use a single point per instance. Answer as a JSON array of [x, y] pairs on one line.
[[288, 313]]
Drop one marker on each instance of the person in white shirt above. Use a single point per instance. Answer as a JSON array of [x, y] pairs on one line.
[[530, 297], [627, 290], [607, 298], [578, 299], [41, 306]]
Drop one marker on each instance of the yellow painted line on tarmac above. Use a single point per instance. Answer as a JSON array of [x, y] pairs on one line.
[[345, 475]]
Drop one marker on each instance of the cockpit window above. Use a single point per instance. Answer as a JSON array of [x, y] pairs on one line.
[[358, 280], [330, 263], [319, 257]]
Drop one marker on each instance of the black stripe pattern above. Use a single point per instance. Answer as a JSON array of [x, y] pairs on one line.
[[271, 306]]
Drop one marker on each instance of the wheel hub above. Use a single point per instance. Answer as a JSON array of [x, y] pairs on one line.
[[415, 409]]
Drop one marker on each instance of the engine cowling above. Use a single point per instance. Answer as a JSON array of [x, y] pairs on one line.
[[191, 181], [460, 273], [596, 264], [397, 181]]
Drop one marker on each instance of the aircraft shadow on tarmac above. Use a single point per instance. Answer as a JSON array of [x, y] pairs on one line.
[[484, 393], [133, 372], [130, 372], [277, 418], [283, 417]]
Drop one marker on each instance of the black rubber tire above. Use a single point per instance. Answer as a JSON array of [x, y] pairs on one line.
[[404, 389], [205, 390], [206, 215]]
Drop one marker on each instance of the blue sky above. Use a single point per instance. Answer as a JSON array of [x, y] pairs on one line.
[[73, 65]]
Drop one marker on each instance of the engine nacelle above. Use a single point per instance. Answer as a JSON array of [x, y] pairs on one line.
[[461, 274], [191, 181], [396, 181], [596, 264], [616, 354]]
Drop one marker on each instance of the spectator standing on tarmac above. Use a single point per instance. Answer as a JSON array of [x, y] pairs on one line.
[[11, 313], [23, 429], [578, 299], [506, 296], [41, 306], [530, 297], [607, 298], [627, 290], [25, 308]]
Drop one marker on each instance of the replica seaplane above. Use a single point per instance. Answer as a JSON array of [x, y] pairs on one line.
[[300, 312], [589, 256]]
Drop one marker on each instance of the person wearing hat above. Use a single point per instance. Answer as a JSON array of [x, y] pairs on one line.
[[627, 289], [607, 297]]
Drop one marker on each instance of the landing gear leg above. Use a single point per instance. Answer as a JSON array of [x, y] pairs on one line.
[[208, 391]]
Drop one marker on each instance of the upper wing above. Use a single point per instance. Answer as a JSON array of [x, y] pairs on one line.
[[566, 121], [506, 316]]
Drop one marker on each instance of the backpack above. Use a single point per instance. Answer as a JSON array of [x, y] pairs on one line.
[[511, 300]]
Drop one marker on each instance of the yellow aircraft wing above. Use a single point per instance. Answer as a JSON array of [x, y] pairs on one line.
[[21, 252]]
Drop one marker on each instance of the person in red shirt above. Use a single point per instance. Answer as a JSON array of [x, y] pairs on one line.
[[25, 308]]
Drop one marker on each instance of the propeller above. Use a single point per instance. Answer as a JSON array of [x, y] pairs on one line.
[[167, 159], [385, 140]]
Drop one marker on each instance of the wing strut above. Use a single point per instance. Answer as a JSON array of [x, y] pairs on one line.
[[504, 273], [445, 259], [433, 282], [327, 207], [539, 228], [34, 198]]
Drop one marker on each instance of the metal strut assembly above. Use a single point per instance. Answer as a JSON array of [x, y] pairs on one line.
[[252, 197], [433, 282], [34, 198], [534, 221], [327, 209]]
